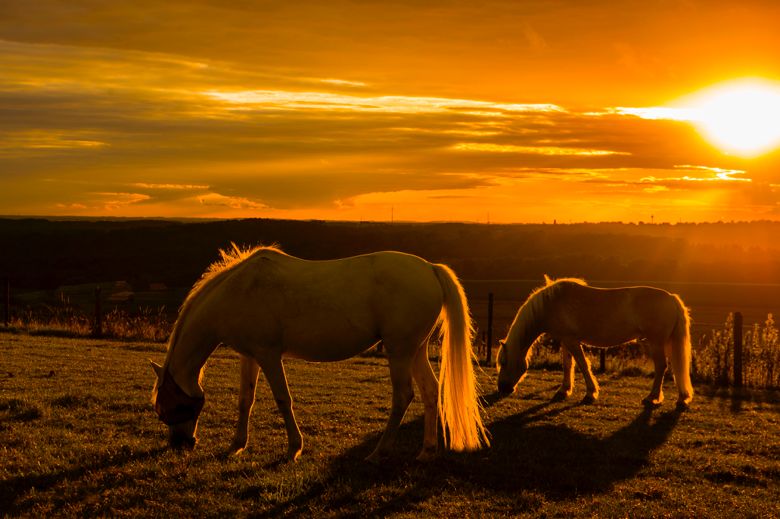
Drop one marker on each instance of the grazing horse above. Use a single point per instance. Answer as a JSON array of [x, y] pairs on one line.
[[571, 312], [267, 305]]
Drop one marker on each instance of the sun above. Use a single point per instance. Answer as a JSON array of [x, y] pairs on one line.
[[740, 117]]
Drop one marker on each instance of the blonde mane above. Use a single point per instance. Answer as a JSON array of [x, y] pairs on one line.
[[549, 290], [535, 305], [228, 260]]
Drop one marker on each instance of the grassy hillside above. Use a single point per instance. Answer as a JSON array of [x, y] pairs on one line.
[[78, 437]]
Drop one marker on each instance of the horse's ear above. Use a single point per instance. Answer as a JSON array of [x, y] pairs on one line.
[[547, 280], [158, 370]]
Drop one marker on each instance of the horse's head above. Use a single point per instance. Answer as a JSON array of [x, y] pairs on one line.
[[176, 409], [512, 366]]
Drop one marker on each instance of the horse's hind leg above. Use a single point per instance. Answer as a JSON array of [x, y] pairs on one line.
[[567, 386], [246, 399], [429, 389], [656, 396], [403, 393], [274, 373], [575, 348]]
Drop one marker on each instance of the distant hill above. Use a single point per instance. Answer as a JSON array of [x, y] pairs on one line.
[[37, 253]]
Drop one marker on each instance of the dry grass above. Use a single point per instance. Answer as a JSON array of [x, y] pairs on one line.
[[78, 438], [713, 361], [65, 320]]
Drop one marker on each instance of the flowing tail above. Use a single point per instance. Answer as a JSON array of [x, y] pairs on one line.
[[681, 354], [458, 404]]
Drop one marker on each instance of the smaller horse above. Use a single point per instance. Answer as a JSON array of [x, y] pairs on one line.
[[571, 312], [267, 305]]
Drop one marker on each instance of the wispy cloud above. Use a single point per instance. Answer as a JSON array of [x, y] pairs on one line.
[[533, 150], [289, 100], [232, 202], [30, 141], [111, 202], [175, 187]]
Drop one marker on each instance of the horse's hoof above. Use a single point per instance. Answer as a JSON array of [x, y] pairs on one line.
[[236, 448], [560, 396], [293, 454], [649, 403], [427, 455], [588, 400], [232, 451], [683, 405]]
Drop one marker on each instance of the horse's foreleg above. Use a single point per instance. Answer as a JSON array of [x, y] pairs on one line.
[[403, 393], [567, 386], [656, 396], [246, 399], [575, 348], [274, 373], [429, 389]]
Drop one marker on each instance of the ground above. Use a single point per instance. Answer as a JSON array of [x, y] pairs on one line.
[[78, 436]]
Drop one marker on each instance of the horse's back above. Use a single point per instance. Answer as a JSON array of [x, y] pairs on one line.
[[328, 309], [613, 315]]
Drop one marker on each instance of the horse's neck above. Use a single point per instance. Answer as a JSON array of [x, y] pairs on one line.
[[186, 359], [525, 328]]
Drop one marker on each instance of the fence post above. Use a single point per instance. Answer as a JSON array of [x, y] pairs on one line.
[[489, 342], [737, 349], [7, 300], [98, 331]]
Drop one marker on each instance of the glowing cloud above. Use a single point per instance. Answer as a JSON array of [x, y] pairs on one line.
[[286, 100], [533, 150]]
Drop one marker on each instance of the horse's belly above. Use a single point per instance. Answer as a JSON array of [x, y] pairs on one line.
[[605, 333], [327, 342], [326, 352]]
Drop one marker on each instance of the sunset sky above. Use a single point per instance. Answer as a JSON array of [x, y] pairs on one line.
[[501, 111]]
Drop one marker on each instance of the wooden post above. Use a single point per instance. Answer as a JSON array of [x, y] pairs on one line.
[[489, 342], [7, 300], [98, 331], [737, 349], [602, 360]]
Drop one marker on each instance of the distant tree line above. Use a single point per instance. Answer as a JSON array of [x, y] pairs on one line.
[[44, 254]]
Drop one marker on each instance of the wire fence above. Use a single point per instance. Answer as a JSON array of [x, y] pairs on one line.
[[727, 353]]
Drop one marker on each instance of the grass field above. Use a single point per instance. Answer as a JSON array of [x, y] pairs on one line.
[[78, 437]]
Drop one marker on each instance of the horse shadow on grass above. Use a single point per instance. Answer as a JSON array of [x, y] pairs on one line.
[[528, 456]]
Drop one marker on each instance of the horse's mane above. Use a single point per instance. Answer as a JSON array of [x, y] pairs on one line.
[[551, 287], [534, 306], [228, 260]]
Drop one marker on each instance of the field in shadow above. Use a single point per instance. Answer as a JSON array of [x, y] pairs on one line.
[[527, 458]]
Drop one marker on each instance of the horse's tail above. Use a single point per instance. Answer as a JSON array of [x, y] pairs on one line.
[[681, 353], [458, 404]]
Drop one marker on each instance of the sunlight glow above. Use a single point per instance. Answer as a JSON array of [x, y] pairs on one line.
[[740, 117]]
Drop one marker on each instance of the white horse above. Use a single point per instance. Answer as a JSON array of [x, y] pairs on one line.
[[266, 305], [571, 312]]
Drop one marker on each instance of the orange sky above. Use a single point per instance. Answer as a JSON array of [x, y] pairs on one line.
[[474, 111]]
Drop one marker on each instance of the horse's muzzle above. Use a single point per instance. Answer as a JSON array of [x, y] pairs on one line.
[[182, 442]]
